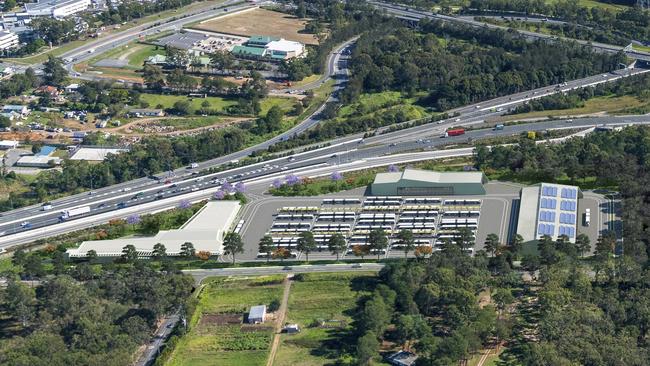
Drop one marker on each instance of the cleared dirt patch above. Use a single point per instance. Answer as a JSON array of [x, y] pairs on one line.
[[220, 319], [260, 22]]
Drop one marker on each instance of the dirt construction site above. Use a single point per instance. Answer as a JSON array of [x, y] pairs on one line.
[[260, 22]]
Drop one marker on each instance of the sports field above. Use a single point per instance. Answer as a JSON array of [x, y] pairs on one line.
[[260, 22]]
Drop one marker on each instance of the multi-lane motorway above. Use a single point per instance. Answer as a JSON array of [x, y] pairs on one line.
[[341, 156]]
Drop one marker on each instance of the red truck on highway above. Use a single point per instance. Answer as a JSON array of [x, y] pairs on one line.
[[455, 132]]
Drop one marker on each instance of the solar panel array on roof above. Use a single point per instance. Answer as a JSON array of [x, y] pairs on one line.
[[569, 231], [568, 205], [547, 216], [567, 218], [548, 203], [545, 229], [571, 193], [549, 191]]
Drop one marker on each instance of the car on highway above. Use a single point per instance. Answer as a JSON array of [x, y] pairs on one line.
[[126, 189], [101, 205], [194, 189], [46, 206], [25, 224], [121, 205]]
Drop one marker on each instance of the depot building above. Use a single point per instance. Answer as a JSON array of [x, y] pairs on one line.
[[548, 209], [206, 231], [414, 182]]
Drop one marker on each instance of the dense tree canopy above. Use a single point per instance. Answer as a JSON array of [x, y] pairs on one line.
[[100, 320]]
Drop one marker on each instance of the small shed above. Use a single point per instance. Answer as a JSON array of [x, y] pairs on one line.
[[256, 314], [8, 144], [402, 358], [291, 328]]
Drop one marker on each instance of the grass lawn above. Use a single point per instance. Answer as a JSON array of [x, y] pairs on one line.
[[135, 53], [307, 80], [167, 101], [368, 103], [56, 51], [610, 104], [137, 58], [596, 4], [641, 48], [209, 343], [189, 123], [321, 296]]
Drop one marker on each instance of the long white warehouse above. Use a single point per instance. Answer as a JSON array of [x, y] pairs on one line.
[[205, 230]]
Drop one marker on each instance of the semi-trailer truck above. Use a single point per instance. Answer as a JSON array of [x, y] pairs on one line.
[[70, 213], [455, 132]]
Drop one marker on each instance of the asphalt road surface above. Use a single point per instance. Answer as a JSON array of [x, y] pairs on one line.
[[200, 274], [351, 155], [116, 200]]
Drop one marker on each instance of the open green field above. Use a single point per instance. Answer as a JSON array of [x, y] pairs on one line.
[[641, 48], [610, 104], [329, 297], [369, 103], [596, 4], [167, 101], [212, 343], [135, 53]]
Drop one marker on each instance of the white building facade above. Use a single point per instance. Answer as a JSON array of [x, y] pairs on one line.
[[57, 8], [8, 40]]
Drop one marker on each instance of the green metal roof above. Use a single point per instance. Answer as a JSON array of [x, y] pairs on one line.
[[246, 50]]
